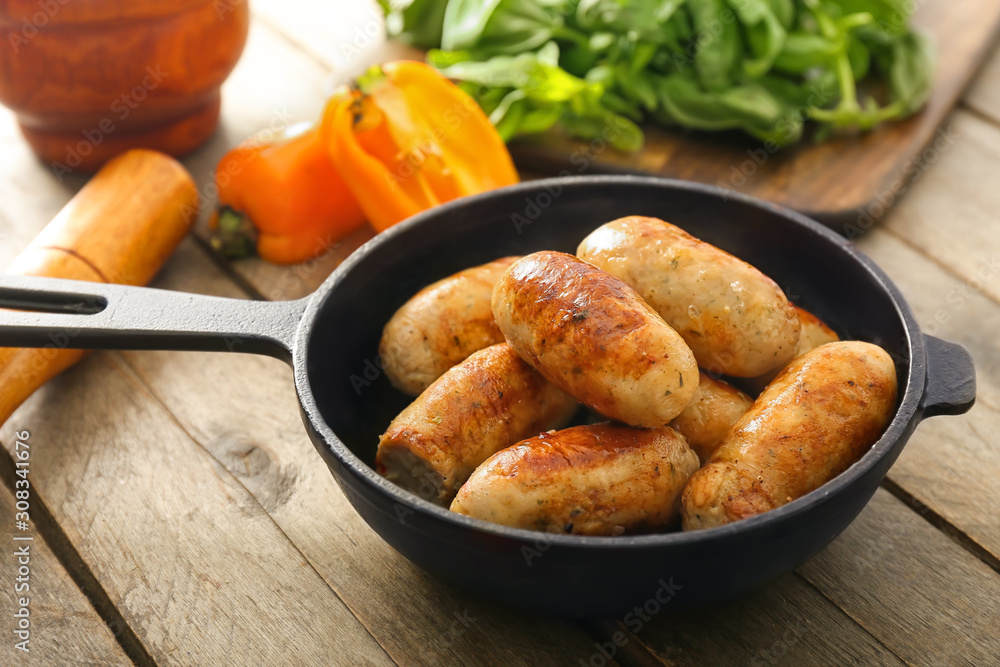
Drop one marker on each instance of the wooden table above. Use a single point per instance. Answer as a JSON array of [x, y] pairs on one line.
[[188, 520]]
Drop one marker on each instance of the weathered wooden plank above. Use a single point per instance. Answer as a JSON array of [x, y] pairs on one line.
[[983, 94], [30, 195], [63, 625], [245, 97], [922, 595], [951, 212], [243, 410], [275, 85], [346, 37], [787, 622], [188, 556], [952, 464]]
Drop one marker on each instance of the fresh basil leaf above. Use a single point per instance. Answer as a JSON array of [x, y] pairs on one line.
[[890, 16], [415, 22], [510, 124], [860, 58], [720, 46], [912, 71], [616, 130], [540, 119], [803, 51], [764, 33], [500, 26]]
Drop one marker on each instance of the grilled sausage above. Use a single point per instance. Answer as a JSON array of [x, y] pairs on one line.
[[592, 336], [487, 402], [737, 320], [716, 406], [440, 326], [813, 333], [586, 480], [820, 415]]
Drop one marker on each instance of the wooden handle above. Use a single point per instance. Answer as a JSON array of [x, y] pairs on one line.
[[120, 228]]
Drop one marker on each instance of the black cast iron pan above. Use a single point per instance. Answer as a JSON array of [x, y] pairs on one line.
[[331, 341]]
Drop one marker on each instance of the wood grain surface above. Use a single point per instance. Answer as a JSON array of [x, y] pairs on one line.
[[941, 596], [59, 613], [952, 466], [834, 181], [253, 429], [186, 496], [193, 563]]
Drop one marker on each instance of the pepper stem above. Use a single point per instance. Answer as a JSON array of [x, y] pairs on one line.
[[235, 235]]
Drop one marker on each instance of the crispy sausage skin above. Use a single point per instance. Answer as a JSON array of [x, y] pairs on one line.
[[814, 332], [441, 325], [485, 403], [737, 320], [592, 336], [716, 406], [587, 480], [820, 415]]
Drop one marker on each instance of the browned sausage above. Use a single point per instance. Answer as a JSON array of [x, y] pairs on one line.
[[441, 325], [487, 402], [591, 335], [820, 415], [716, 406], [587, 480], [814, 332], [737, 320]]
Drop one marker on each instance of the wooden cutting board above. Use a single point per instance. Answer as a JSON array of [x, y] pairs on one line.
[[846, 183]]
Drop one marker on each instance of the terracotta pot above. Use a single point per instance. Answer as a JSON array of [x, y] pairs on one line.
[[90, 79]]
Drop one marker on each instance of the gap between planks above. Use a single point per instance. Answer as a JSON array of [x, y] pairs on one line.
[[290, 39], [639, 653], [846, 613], [78, 570], [920, 250], [978, 113], [126, 367], [602, 631], [942, 524]]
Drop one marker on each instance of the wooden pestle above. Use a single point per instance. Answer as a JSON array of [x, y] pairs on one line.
[[120, 228]]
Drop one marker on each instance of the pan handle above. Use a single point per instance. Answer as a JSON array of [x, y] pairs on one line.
[[72, 314], [950, 388]]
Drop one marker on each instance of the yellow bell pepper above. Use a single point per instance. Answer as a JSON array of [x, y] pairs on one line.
[[404, 138]]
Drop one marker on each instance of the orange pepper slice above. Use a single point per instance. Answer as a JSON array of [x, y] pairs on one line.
[[292, 194], [405, 139]]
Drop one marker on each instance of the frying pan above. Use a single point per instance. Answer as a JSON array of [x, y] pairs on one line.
[[331, 341]]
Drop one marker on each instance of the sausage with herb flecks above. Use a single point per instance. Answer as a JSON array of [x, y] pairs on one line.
[[820, 415], [600, 479], [441, 325], [716, 406], [592, 336], [737, 320], [488, 402]]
